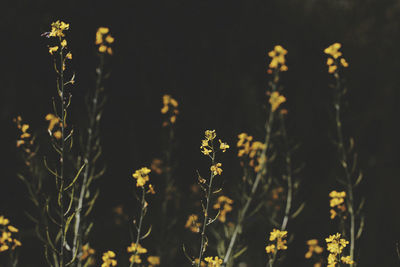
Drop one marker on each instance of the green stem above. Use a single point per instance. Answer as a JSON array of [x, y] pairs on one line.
[[62, 157], [203, 232], [262, 172], [345, 165], [139, 228]]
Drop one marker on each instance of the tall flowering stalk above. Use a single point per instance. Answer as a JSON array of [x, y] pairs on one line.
[[276, 66], [91, 148], [142, 177], [61, 139], [352, 175]]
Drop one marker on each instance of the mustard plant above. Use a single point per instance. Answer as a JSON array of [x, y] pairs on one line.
[[347, 158]]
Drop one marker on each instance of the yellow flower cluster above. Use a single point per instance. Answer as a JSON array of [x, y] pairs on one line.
[[335, 246], [207, 148], [24, 137], [225, 203], [193, 224], [313, 247], [216, 262], [170, 105], [337, 200], [276, 100], [104, 40], [6, 239], [278, 58], [137, 249], [141, 176], [278, 236], [87, 252], [335, 57], [53, 122], [215, 169], [153, 261], [108, 259], [250, 148], [58, 28]]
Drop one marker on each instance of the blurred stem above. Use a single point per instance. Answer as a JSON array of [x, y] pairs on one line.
[[262, 172], [345, 165], [203, 232], [288, 162], [78, 239], [139, 227]]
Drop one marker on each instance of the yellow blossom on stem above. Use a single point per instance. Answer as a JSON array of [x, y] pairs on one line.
[[108, 259], [278, 58], [104, 42], [153, 260], [216, 262], [337, 198], [278, 236], [216, 170], [141, 176], [64, 43], [53, 49], [313, 247], [136, 247], [193, 224], [223, 146], [58, 28], [275, 100], [224, 205], [87, 251], [333, 50], [4, 221]]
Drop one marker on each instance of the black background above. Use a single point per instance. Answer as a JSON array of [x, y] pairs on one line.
[[212, 57]]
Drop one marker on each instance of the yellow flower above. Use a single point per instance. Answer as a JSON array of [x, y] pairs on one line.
[[278, 58], [333, 50], [102, 48], [337, 198], [141, 176], [135, 259], [57, 29], [225, 202], [53, 120], [223, 146], [193, 224], [216, 170], [216, 262], [109, 39], [153, 260], [108, 259], [210, 134], [64, 43], [170, 104], [313, 248], [4, 221], [151, 189], [109, 51], [347, 260], [270, 248], [275, 100], [329, 61], [57, 135], [136, 247], [103, 30], [87, 251], [332, 68], [12, 229], [68, 55], [53, 49], [344, 62]]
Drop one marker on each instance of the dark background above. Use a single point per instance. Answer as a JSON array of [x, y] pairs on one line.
[[211, 56]]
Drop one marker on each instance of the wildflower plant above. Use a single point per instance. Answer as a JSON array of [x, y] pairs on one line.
[[8, 241], [142, 178], [209, 149], [345, 201], [257, 155]]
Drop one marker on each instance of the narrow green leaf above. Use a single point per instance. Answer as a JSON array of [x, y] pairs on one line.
[[76, 178]]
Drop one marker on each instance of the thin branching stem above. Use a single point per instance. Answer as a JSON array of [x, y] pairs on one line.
[[139, 227], [77, 243], [206, 217], [261, 173], [289, 196], [345, 165]]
